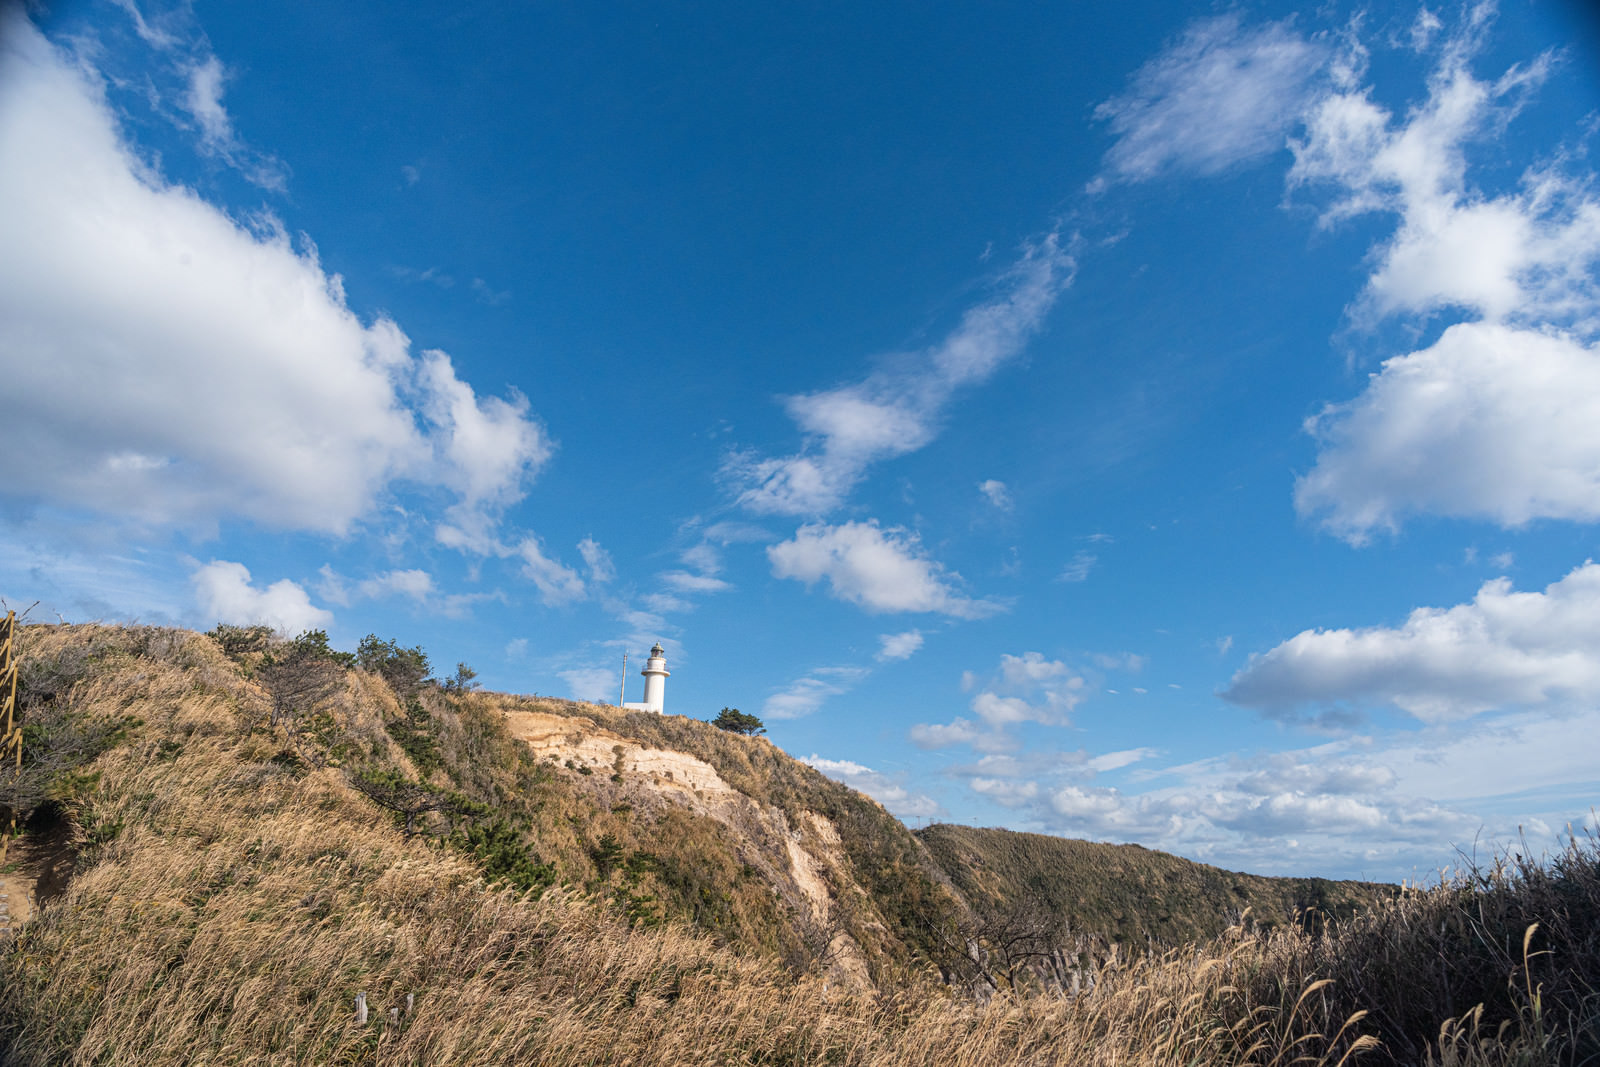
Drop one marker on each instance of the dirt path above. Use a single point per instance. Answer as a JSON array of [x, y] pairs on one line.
[[38, 867]]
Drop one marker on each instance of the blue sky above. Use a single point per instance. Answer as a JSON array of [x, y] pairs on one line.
[[1172, 424]]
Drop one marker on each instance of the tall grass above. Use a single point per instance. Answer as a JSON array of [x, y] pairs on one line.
[[229, 907]]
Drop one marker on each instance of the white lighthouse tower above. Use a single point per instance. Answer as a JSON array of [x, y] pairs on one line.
[[655, 682]]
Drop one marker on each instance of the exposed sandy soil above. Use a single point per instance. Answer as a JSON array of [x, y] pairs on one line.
[[37, 868], [585, 742], [683, 778]]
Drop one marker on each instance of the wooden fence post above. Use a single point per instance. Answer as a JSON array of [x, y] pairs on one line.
[[10, 727]]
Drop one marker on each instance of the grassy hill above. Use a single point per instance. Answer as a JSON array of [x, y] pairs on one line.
[[1127, 893], [263, 831]]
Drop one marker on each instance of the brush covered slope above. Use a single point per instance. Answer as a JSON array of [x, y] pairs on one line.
[[262, 836], [1126, 893]]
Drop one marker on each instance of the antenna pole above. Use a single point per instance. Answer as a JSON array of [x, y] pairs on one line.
[[622, 690]]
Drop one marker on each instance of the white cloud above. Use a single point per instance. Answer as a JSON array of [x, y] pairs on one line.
[[896, 410], [1526, 255], [684, 582], [961, 731], [204, 102], [1112, 761], [202, 99], [1118, 661], [1026, 688], [1497, 418], [662, 603], [482, 446], [157, 36], [1031, 669], [557, 583], [172, 366], [704, 557], [1078, 569], [1005, 791], [516, 648], [1219, 96], [1287, 773], [595, 684], [996, 493], [805, 695], [226, 594], [899, 646], [416, 584], [1503, 649], [880, 570], [598, 560], [1490, 422], [880, 787]]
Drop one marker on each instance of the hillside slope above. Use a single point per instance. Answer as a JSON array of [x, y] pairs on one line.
[[265, 838], [1126, 893]]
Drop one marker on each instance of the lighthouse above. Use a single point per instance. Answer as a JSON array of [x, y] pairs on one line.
[[655, 682]]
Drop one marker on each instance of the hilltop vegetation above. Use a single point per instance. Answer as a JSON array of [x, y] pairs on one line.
[[1127, 893], [247, 863]]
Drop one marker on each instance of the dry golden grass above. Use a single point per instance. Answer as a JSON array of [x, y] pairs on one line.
[[228, 910]]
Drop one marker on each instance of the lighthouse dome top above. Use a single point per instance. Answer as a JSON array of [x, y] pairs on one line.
[[657, 650]]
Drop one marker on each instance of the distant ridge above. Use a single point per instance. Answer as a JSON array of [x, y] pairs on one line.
[[1126, 893]]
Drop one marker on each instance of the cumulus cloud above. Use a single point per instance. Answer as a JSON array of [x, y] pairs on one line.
[[173, 366], [899, 646], [1502, 649], [225, 593], [1524, 255], [482, 445], [1360, 806], [1005, 791], [1220, 95], [1496, 419], [897, 410], [1025, 688], [980, 737], [879, 570], [1490, 421], [880, 787]]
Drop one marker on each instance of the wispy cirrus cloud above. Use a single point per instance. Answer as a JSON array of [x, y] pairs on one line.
[[896, 410], [805, 695], [1220, 95]]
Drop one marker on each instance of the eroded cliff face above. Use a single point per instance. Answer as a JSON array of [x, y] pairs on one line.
[[801, 858]]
